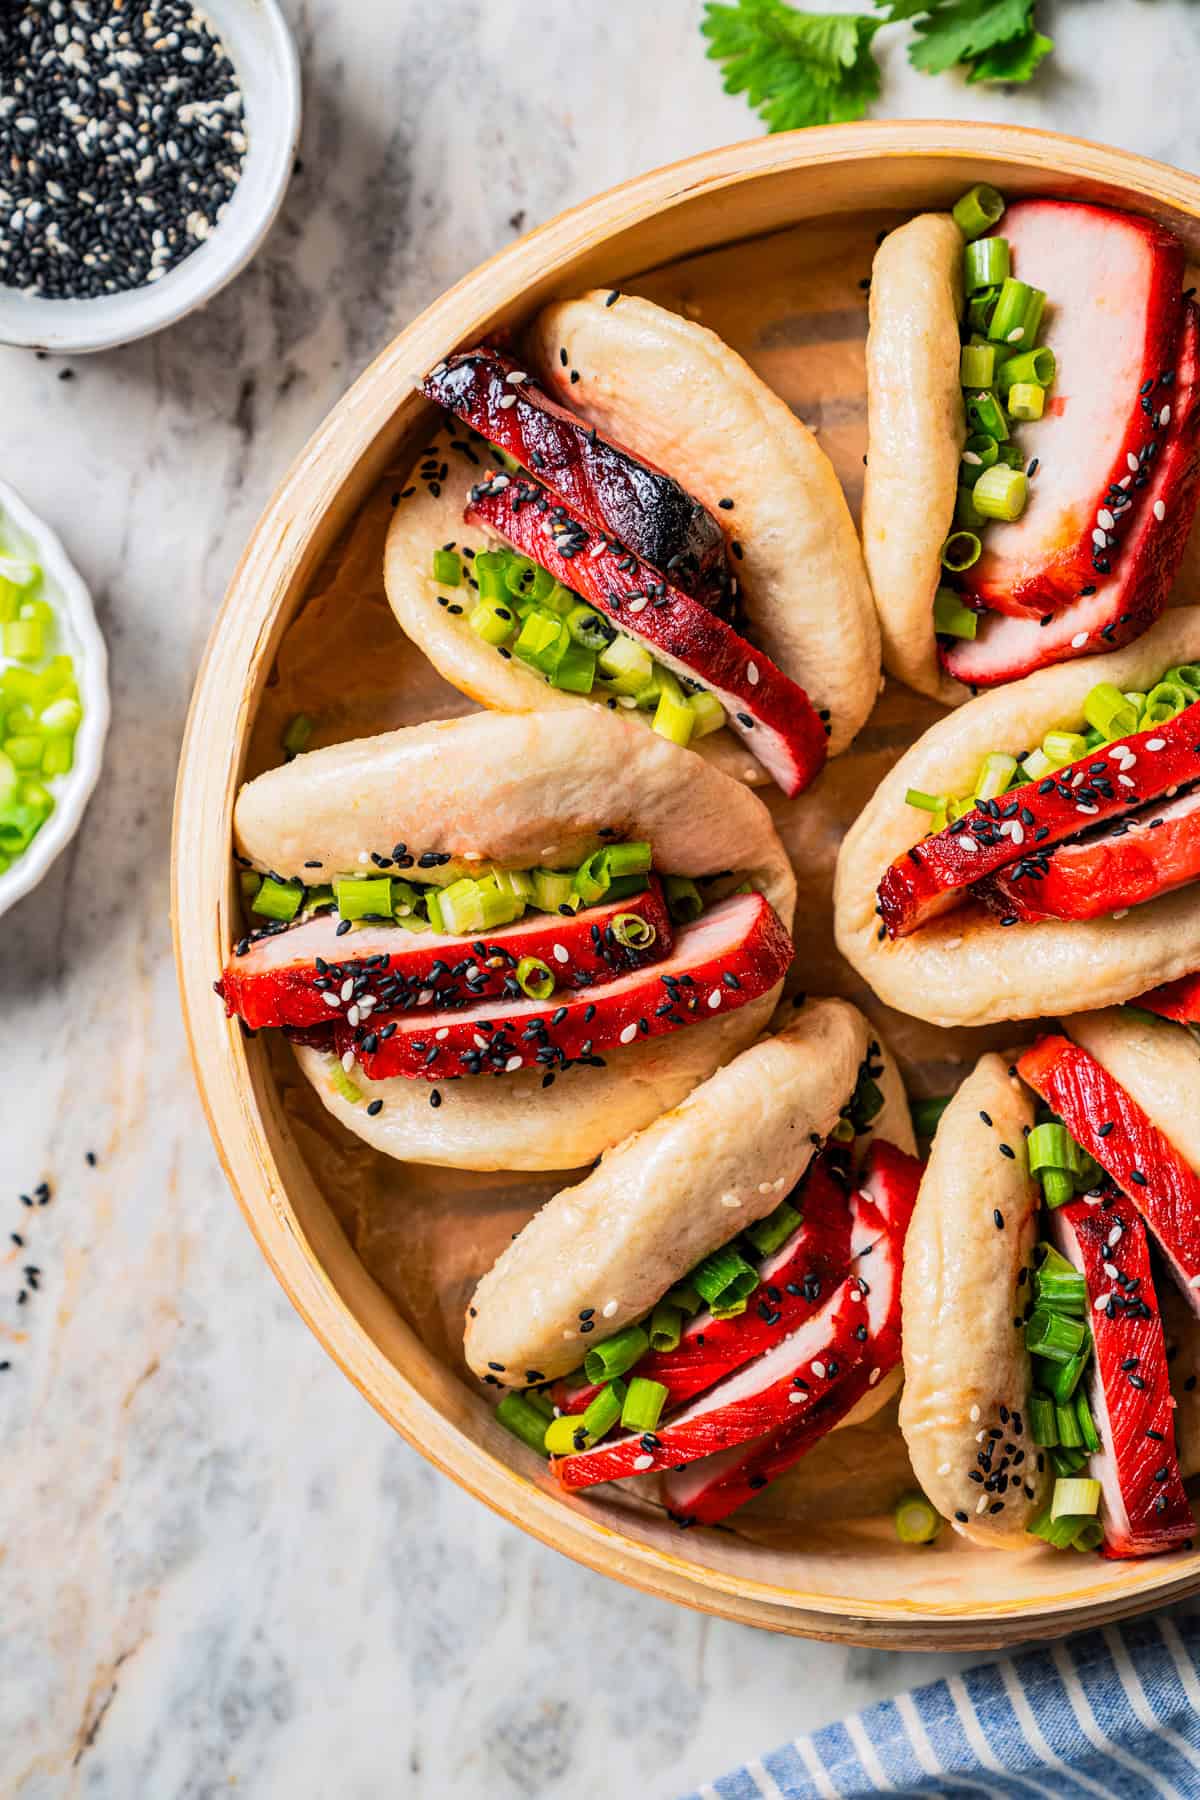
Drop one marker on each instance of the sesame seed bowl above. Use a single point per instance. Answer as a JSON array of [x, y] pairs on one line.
[[74, 633], [768, 243], [188, 155]]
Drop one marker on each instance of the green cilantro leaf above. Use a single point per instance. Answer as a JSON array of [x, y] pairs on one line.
[[957, 31], [795, 68], [1016, 60]]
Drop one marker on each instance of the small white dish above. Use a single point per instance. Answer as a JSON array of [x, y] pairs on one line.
[[79, 637], [262, 50]]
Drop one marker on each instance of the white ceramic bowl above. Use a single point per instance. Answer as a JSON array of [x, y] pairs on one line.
[[262, 50], [79, 636]]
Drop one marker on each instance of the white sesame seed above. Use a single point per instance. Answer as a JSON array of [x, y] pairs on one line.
[[1160, 511], [1114, 1236], [1122, 914], [714, 999], [332, 999], [873, 1377], [443, 1034], [516, 376], [479, 1040], [569, 1335], [764, 1187], [1110, 1269], [507, 400], [752, 674], [1156, 744], [608, 1309], [629, 1033], [974, 1415], [818, 1369], [968, 842], [1105, 518], [560, 953], [643, 1462], [347, 1060], [363, 856], [347, 989], [944, 1468], [1125, 482], [1131, 462], [1100, 1302], [972, 457], [639, 605], [981, 1503], [1083, 807], [730, 1200], [1015, 335], [352, 1015], [796, 1399], [1164, 417], [513, 1063], [1100, 539], [1079, 640]]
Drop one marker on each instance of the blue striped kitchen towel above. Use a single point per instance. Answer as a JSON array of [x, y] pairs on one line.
[[1114, 1713]]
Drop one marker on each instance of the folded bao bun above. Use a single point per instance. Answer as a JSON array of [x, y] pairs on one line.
[[964, 1361], [523, 791], [915, 434], [424, 522], [964, 967], [672, 392], [677, 1190]]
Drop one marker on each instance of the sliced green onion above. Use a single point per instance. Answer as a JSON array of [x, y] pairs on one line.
[[616, 1354], [602, 1413], [490, 570], [1055, 1336], [951, 617], [1002, 493], [1108, 711], [591, 878], [1011, 456], [552, 890], [359, 898], [540, 1400], [625, 665], [1060, 1533], [684, 1296], [1087, 1425], [684, 900], [493, 621], [732, 1309], [1066, 1460], [931, 803], [709, 714], [980, 450], [249, 881], [543, 640], [673, 716], [1043, 1421], [978, 210], [1069, 1435], [535, 978], [926, 1115], [1051, 1146], [633, 858], [1018, 315], [1164, 701], [995, 773], [1089, 1536], [986, 264], [278, 899], [567, 1435], [1027, 368], [1026, 401], [1186, 675], [976, 365], [524, 1421], [980, 308], [589, 629], [633, 932], [666, 1328], [1037, 764], [960, 550], [644, 1403], [23, 639], [296, 735], [1064, 746], [447, 568], [724, 1277], [341, 1084], [768, 1234], [316, 899], [1057, 1284], [916, 1521], [576, 671], [1061, 1379], [985, 414], [519, 576], [1075, 1499]]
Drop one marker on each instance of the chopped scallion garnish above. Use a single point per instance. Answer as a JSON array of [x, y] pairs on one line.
[[524, 1421], [916, 1521], [978, 210], [643, 1405]]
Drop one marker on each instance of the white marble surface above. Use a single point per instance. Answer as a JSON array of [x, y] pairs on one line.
[[219, 1570]]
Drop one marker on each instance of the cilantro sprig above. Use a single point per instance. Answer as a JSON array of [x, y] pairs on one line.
[[798, 67]]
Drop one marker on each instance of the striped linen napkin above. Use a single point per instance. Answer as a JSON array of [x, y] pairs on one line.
[[1114, 1713]]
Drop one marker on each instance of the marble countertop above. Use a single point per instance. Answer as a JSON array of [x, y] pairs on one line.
[[220, 1570]]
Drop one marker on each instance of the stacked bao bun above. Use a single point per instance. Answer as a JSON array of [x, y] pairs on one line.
[[556, 932]]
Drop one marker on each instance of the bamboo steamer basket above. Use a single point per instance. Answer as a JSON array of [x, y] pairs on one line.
[[769, 242]]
